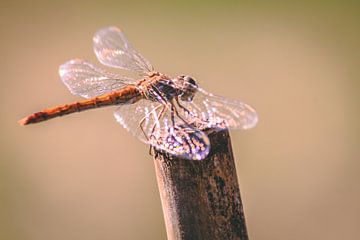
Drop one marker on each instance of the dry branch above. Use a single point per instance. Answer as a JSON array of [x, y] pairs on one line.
[[201, 199]]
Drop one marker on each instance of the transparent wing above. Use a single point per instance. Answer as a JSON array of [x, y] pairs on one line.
[[130, 116], [113, 49], [207, 110], [85, 79], [153, 123]]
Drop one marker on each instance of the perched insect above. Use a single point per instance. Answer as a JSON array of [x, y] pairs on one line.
[[168, 113]]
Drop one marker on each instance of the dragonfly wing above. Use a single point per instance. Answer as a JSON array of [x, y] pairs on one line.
[[207, 110], [85, 79], [113, 49], [154, 123], [130, 116]]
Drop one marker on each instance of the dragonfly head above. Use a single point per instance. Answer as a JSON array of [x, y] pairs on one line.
[[188, 88]]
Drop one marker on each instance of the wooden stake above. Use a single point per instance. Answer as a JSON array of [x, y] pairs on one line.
[[201, 199]]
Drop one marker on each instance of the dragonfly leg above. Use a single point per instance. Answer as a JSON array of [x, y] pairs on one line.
[[173, 115], [142, 128], [188, 142], [151, 150], [142, 121], [182, 107], [161, 114], [151, 147], [174, 110], [198, 119]]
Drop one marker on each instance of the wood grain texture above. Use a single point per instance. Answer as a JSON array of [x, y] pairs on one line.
[[201, 199]]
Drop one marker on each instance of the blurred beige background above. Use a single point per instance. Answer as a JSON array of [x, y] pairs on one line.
[[84, 177]]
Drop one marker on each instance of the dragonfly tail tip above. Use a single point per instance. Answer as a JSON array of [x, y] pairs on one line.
[[24, 121]]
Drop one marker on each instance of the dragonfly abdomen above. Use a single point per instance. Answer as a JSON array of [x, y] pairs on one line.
[[129, 94]]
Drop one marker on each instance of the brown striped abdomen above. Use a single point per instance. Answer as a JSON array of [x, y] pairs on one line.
[[129, 94]]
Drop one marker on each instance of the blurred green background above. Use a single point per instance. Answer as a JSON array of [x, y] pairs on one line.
[[84, 177]]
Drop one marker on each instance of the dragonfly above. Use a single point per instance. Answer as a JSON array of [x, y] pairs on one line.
[[168, 113]]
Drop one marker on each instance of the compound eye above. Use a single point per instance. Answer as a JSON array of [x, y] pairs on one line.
[[190, 80]]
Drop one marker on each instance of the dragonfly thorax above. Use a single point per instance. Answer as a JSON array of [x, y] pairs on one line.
[[183, 87], [165, 89]]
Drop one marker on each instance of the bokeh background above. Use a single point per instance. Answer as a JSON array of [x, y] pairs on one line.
[[84, 177]]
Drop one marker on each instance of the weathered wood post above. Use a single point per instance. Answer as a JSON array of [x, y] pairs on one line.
[[201, 199]]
